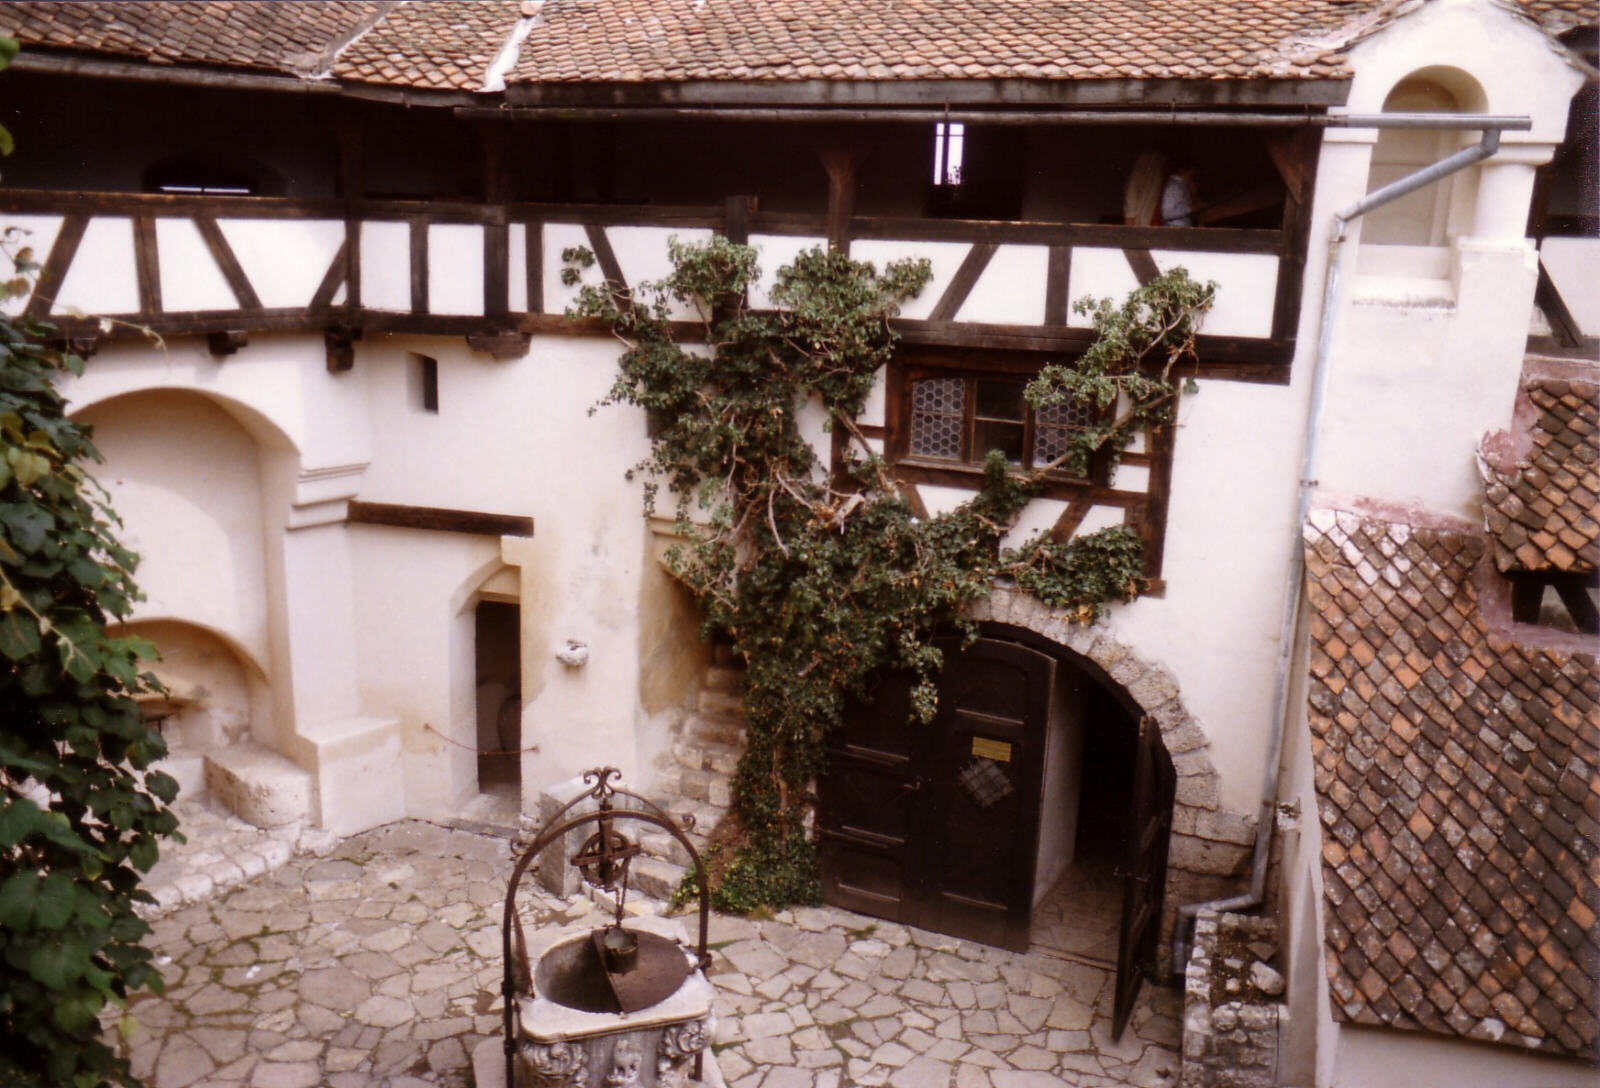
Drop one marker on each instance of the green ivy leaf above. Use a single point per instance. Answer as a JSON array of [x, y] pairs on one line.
[[17, 900], [19, 635], [53, 907], [59, 961]]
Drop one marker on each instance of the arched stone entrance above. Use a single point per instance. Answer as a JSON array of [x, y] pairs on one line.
[[1210, 847], [899, 804]]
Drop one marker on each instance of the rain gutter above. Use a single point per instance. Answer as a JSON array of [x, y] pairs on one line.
[[1294, 589]]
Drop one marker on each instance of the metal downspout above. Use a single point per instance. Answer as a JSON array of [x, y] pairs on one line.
[[1294, 595]]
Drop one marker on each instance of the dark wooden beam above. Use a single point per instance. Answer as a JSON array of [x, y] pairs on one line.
[[147, 264], [1066, 525], [1101, 236], [605, 256], [962, 283], [339, 344], [1574, 593], [54, 272], [438, 519], [533, 254], [352, 183], [419, 266], [1143, 265], [1057, 283], [1547, 296], [222, 253], [503, 345], [841, 155], [226, 342], [1294, 235], [1159, 442], [1174, 96], [332, 279]]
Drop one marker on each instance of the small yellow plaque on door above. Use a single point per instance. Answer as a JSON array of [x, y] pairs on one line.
[[997, 750]]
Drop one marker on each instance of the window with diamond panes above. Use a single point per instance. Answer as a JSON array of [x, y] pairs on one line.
[[962, 419]]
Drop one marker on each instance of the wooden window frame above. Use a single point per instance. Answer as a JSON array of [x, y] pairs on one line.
[[969, 473]]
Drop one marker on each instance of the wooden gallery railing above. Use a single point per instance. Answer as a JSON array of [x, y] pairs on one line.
[[226, 267]]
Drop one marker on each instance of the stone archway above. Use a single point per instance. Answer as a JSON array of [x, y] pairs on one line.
[[1211, 847]]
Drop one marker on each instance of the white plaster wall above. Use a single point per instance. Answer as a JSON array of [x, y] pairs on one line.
[[182, 474], [414, 593], [1228, 530], [386, 265], [35, 232], [517, 438], [190, 278], [945, 257], [776, 250], [1382, 1058], [643, 256], [455, 268], [1574, 266], [1063, 780], [1011, 289], [101, 278], [260, 246], [558, 237]]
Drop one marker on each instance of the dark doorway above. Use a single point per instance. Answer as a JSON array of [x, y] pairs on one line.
[[935, 826], [1034, 775], [1077, 914], [497, 650]]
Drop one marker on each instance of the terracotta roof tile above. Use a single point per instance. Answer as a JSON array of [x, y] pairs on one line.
[[288, 36], [1541, 512], [1458, 783], [444, 44], [654, 40]]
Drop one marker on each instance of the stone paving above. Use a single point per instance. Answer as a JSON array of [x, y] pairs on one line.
[[379, 964]]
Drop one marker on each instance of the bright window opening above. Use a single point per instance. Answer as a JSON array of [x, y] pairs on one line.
[[948, 141]]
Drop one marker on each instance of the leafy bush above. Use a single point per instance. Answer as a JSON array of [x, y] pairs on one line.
[[821, 580], [81, 814]]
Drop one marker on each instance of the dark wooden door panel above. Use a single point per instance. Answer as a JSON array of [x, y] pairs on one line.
[[937, 825], [1144, 869]]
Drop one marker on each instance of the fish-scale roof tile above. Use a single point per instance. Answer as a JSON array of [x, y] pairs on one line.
[[1541, 511], [288, 36], [1457, 776], [439, 43]]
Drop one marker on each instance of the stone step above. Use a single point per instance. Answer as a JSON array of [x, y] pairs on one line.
[[704, 756], [259, 786], [712, 701], [715, 729], [655, 877], [723, 678], [659, 844]]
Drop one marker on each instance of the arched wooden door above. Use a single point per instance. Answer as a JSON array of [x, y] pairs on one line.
[[937, 826]]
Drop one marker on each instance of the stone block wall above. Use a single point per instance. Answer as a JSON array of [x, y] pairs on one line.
[[1233, 1018]]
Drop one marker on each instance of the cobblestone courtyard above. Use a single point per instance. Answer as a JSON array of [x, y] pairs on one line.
[[378, 963]]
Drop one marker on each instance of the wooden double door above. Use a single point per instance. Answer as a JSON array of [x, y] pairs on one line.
[[937, 826]]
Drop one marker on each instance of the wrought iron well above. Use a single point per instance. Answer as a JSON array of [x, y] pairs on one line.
[[616, 1005]]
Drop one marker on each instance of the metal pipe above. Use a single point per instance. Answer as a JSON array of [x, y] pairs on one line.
[[1294, 590], [1426, 176], [923, 116]]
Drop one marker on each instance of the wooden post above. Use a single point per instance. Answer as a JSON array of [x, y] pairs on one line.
[[841, 155], [352, 182], [496, 232]]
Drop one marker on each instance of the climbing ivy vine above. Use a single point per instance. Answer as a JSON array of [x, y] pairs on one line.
[[823, 579], [81, 812]]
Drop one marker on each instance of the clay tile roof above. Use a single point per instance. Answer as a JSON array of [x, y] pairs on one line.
[[658, 40], [1457, 777], [288, 36], [448, 46], [1559, 16], [1540, 510]]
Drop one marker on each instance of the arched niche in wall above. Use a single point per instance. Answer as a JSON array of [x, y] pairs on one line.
[[215, 691], [186, 473], [1436, 214]]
